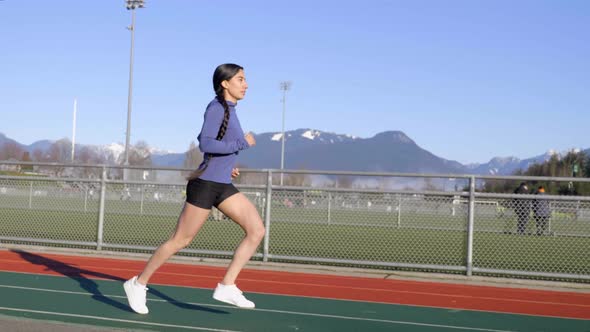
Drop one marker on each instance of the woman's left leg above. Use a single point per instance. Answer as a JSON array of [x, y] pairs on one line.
[[239, 208]]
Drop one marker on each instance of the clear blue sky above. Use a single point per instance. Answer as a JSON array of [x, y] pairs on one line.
[[467, 80]]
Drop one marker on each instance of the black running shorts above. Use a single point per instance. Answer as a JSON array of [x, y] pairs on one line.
[[206, 194]]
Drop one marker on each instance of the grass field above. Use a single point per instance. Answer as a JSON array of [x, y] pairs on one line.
[[428, 236]]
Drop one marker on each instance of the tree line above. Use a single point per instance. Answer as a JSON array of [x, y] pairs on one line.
[[573, 164], [61, 152]]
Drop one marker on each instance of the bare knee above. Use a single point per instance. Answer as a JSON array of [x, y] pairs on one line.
[[179, 243], [257, 232]]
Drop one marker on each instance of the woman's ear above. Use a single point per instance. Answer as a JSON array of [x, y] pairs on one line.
[[224, 84]]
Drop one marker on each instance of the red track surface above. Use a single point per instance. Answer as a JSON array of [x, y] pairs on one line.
[[442, 295]]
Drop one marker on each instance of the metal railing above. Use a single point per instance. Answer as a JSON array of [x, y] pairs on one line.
[[424, 226]]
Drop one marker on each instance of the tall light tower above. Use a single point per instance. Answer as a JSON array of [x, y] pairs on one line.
[[131, 5], [74, 129], [285, 86]]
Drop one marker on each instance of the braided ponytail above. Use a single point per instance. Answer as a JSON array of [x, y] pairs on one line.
[[222, 73], [225, 120]]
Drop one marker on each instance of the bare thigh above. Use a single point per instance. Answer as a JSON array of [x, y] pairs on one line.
[[190, 221], [239, 208]]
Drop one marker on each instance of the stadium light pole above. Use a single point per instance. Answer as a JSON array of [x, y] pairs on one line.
[[74, 129], [131, 5], [285, 86]]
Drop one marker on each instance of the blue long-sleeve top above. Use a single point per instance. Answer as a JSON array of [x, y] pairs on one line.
[[222, 154]]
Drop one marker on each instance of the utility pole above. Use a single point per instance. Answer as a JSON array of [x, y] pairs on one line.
[[74, 129], [130, 5], [285, 86]]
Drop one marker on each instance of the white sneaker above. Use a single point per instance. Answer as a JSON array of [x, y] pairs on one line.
[[136, 295], [233, 295]]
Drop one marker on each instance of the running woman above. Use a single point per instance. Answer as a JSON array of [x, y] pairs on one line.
[[221, 139]]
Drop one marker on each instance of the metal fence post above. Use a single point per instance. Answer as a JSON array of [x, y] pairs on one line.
[[85, 200], [267, 216], [31, 195], [471, 213], [399, 210], [329, 205], [141, 204], [101, 208]]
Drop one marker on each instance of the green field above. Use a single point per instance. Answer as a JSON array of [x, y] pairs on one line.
[[412, 236]]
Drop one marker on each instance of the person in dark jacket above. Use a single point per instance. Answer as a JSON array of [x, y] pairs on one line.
[[522, 208], [542, 211]]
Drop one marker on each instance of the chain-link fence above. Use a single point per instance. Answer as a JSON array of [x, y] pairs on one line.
[[457, 231], [534, 235]]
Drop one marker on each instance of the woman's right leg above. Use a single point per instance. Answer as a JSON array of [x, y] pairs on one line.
[[190, 221]]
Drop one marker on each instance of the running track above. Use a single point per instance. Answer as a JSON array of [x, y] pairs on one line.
[[417, 293]]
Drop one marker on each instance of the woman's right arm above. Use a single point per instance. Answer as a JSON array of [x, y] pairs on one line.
[[208, 138]]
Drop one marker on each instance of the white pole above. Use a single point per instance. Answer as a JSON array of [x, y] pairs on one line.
[[329, 205], [399, 210], [86, 200], [31, 195], [283, 135], [141, 204], [130, 92], [285, 86], [74, 129]]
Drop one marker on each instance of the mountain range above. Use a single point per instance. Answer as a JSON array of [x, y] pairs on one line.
[[390, 151]]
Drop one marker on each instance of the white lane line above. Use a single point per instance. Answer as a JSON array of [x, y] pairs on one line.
[[115, 319], [274, 311], [385, 321], [393, 291]]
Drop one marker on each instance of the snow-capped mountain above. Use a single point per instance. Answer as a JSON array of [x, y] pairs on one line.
[[111, 151], [390, 151], [307, 135], [314, 149], [508, 165]]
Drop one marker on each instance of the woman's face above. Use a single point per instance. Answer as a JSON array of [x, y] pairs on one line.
[[235, 88]]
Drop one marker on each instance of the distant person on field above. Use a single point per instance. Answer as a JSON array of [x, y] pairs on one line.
[[542, 211], [522, 208]]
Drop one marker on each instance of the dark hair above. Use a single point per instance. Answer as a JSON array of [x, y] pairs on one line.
[[223, 72]]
